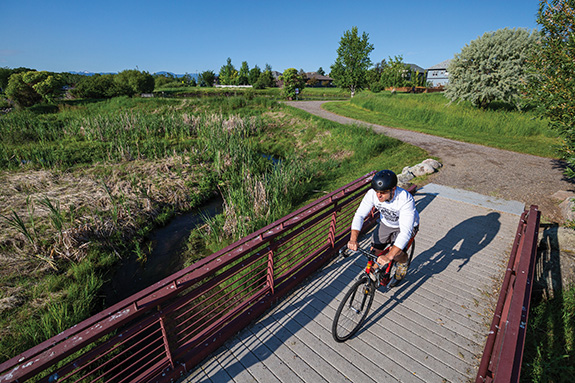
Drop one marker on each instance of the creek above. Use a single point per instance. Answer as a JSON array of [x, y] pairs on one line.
[[168, 243]]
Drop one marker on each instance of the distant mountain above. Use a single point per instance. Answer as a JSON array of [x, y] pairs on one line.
[[194, 75], [86, 73]]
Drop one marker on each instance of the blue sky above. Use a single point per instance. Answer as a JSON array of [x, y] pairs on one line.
[[192, 36]]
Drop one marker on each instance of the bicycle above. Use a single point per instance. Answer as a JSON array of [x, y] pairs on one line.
[[356, 303]]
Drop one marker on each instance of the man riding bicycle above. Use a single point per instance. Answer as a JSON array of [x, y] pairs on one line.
[[398, 221]]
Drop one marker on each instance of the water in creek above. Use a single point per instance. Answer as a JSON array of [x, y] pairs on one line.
[[164, 260]]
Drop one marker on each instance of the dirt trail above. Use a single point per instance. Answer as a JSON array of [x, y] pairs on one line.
[[500, 173]]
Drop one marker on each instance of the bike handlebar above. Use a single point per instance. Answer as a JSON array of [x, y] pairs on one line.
[[344, 252]]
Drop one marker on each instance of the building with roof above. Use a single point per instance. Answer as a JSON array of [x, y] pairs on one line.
[[314, 79], [437, 75]]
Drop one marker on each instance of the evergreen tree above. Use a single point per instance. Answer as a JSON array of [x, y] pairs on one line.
[[266, 79], [207, 78], [243, 74], [350, 68], [255, 73], [492, 67], [228, 74]]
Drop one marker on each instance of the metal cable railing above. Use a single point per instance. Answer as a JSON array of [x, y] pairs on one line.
[[166, 329]]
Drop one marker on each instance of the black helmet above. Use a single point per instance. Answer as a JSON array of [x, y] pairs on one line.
[[384, 180]]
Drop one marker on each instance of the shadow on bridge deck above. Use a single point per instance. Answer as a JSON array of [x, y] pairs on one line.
[[431, 328]]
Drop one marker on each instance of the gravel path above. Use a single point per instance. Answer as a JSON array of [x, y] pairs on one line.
[[500, 173]]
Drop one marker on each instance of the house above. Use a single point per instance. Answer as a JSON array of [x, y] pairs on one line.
[[314, 79], [437, 75], [415, 70]]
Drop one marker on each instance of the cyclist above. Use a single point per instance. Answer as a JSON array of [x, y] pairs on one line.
[[398, 221]]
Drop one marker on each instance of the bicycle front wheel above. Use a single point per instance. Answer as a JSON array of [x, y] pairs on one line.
[[353, 309]]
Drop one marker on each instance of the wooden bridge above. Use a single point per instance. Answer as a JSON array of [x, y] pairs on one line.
[[279, 288], [431, 328]]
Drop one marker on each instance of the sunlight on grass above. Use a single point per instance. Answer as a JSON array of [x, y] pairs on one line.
[[516, 131]]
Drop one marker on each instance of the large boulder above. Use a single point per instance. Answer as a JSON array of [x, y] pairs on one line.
[[427, 166]]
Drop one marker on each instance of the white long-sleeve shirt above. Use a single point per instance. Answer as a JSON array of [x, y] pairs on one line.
[[398, 213]]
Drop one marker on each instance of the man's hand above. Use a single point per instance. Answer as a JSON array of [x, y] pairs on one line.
[[395, 253], [352, 245]]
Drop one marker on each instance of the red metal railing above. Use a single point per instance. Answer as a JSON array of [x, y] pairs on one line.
[[501, 361], [169, 327]]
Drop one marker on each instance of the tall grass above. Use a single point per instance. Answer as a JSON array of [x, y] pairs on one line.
[[433, 114], [226, 142], [550, 341], [114, 130]]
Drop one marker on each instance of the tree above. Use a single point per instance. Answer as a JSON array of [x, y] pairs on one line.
[[29, 88], [243, 74], [492, 67], [350, 68], [266, 79], [394, 73], [320, 71], [96, 86], [228, 74], [207, 78], [5, 74], [293, 82], [20, 92], [163, 79], [255, 73], [552, 86], [132, 81], [187, 79]]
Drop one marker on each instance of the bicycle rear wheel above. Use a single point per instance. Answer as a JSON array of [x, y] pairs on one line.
[[353, 309]]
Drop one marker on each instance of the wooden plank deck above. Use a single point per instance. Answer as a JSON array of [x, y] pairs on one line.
[[430, 328]]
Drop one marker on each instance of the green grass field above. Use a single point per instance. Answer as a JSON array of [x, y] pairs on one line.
[[521, 132]]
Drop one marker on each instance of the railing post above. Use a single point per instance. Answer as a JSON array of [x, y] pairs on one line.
[[332, 226], [165, 339], [270, 273]]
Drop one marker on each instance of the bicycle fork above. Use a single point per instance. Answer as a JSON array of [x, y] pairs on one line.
[[366, 291]]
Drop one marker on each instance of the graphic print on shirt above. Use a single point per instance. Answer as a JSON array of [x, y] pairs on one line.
[[391, 216]]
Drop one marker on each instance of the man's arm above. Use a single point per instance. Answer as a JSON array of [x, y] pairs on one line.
[[357, 222]]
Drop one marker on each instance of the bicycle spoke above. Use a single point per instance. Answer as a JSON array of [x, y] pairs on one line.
[[353, 310]]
